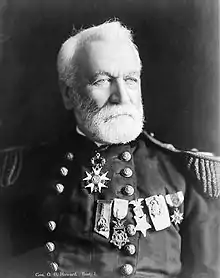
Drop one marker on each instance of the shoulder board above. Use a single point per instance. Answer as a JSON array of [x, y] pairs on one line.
[[205, 167], [10, 165]]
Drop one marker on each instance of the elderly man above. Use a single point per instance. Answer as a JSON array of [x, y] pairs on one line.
[[108, 200]]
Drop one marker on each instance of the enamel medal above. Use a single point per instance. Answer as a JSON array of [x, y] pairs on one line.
[[96, 179], [119, 236]]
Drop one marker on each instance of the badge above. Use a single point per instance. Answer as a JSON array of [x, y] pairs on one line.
[[96, 180], [102, 218], [158, 212], [175, 199], [119, 236]]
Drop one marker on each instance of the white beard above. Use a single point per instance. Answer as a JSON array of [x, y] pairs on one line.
[[113, 125]]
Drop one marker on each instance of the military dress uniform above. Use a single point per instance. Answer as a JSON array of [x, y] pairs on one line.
[[142, 209]]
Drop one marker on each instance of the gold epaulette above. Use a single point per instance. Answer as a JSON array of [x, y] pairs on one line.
[[204, 166], [10, 166]]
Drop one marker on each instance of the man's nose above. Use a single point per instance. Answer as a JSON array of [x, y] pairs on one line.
[[119, 92]]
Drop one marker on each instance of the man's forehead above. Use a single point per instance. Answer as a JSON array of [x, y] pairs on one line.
[[108, 57]]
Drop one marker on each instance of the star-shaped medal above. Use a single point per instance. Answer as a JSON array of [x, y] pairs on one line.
[[96, 180], [177, 217], [142, 224]]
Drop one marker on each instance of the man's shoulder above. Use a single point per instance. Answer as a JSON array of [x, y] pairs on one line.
[[15, 160], [202, 168]]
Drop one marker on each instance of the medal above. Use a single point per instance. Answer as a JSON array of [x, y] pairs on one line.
[[95, 180], [102, 218], [174, 200], [177, 217], [158, 212], [140, 217], [119, 236], [142, 224]]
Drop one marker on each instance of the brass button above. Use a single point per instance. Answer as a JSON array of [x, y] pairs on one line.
[[59, 187], [127, 172], [127, 269], [131, 230], [54, 266], [128, 190], [52, 225], [130, 249], [50, 246], [126, 156], [64, 171], [70, 156]]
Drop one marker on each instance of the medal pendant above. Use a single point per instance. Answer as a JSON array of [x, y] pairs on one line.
[[158, 212], [96, 180], [102, 218], [119, 236], [177, 217], [142, 224]]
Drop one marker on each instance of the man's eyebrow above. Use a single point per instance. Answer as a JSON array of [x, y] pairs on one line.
[[131, 73], [101, 72]]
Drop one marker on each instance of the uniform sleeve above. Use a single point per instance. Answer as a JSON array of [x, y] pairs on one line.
[[10, 166], [200, 233]]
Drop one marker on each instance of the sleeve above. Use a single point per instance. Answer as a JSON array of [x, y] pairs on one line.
[[200, 230], [10, 166]]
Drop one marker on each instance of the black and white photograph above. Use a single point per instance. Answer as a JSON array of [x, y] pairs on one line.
[[109, 138]]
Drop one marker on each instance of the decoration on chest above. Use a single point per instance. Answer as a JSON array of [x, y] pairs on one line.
[[103, 217], [119, 236], [158, 212], [96, 179], [148, 213], [174, 200], [140, 217]]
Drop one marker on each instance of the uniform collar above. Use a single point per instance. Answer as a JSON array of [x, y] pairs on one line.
[[81, 133]]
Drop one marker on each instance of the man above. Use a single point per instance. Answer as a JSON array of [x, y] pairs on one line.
[[108, 200]]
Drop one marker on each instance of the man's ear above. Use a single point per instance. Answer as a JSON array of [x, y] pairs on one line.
[[67, 93]]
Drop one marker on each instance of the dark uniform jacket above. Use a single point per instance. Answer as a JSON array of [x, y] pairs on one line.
[[142, 209]]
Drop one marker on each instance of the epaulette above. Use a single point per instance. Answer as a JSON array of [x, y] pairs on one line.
[[205, 167], [10, 165]]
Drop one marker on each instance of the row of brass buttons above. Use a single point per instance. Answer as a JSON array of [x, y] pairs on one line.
[[52, 224]]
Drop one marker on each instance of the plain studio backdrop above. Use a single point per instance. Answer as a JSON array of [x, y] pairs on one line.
[[179, 45]]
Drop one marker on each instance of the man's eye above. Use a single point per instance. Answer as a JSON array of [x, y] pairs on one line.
[[101, 82], [131, 80]]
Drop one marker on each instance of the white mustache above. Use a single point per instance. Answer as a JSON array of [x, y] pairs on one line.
[[112, 112]]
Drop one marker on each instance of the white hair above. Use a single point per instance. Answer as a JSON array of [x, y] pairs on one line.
[[110, 30]]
